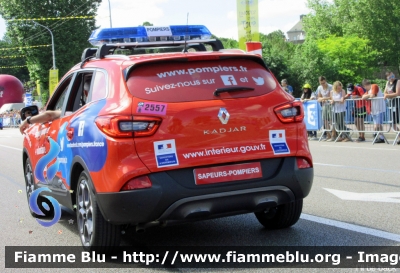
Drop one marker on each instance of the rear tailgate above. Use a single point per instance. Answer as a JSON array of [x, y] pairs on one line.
[[200, 128]]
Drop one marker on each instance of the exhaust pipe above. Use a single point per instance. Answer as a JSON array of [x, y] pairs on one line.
[[140, 228]]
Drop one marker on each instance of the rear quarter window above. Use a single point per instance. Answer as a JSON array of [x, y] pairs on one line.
[[197, 80]]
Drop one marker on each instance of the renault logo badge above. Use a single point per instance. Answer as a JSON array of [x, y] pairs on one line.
[[223, 116]]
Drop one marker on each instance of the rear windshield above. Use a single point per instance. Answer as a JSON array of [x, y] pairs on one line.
[[197, 80]]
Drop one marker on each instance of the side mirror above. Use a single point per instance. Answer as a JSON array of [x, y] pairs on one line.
[[29, 111]]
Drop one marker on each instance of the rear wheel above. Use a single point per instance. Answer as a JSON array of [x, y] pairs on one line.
[[95, 232], [282, 216]]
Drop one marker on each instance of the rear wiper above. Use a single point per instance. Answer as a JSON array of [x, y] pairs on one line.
[[231, 89]]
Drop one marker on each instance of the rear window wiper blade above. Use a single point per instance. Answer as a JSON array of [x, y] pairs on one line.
[[231, 89]]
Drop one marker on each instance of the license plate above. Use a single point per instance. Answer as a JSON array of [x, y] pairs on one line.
[[229, 173]]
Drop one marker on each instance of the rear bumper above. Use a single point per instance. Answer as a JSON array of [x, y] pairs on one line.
[[175, 197]]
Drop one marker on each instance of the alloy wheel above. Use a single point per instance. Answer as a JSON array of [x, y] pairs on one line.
[[85, 212]]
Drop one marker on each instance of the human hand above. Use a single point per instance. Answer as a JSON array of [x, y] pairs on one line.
[[24, 125]]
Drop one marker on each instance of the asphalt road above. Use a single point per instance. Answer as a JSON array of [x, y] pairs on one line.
[[354, 202]]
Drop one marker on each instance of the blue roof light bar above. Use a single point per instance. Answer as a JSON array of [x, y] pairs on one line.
[[154, 34]]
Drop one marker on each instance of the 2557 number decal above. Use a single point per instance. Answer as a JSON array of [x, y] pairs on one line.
[[152, 108]]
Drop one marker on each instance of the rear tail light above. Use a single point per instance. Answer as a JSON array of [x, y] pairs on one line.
[[303, 163], [290, 112], [141, 182], [127, 126]]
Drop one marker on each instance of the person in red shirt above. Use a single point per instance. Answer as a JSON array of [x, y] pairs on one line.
[[378, 107], [360, 109]]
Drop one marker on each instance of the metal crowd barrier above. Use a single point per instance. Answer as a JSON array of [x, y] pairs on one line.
[[11, 122], [394, 106], [357, 118]]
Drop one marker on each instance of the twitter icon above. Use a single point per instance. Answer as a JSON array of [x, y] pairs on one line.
[[259, 80]]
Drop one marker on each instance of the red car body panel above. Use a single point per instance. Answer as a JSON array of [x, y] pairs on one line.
[[200, 137]]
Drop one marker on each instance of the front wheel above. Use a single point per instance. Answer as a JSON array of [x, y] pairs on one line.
[[95, 232], [282, 216], [30, 188]]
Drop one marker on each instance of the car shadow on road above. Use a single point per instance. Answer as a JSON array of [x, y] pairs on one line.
[[244, 230]]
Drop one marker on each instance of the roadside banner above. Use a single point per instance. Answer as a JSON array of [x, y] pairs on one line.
[[38, 87], [53, 80], [247, 20], [312, 115], [28, 99]]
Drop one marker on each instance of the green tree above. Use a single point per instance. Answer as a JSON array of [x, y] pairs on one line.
[[323, 20], [12, 62], [378, 21], [308, 63], [70, 36], [351, 56], [147, 24], [229, 43], [374, 20], [277, 54]]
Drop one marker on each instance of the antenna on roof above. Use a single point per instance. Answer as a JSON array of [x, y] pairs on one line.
[[187, 27]]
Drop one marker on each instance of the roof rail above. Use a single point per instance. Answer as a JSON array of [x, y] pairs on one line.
[[88, 52], [199, 45]]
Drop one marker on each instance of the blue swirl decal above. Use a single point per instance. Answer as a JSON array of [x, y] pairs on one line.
[[35, 208], [94, 157], [45, 160], [65, 153]]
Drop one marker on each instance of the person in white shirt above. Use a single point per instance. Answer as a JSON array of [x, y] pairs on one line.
[[339, 110], [324, 97], [392, 93]]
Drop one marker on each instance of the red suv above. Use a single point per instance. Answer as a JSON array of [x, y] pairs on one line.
[[165, 129]]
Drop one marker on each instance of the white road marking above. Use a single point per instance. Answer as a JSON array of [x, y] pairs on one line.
[[364, 148], [330, 165], [385, 197], [355, 167], [351, 227], [11, 148]]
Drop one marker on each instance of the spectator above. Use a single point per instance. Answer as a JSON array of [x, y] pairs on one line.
[[339, 110], [307, 96], [287, 87], [28, 113], [378, 107], [360, 110], [392, 90], [324, 97]]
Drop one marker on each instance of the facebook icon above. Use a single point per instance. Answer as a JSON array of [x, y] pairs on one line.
[[229, 80]]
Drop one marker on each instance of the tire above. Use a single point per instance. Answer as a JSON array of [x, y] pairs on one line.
[[282, 216], [94, 231], [30, 187]]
